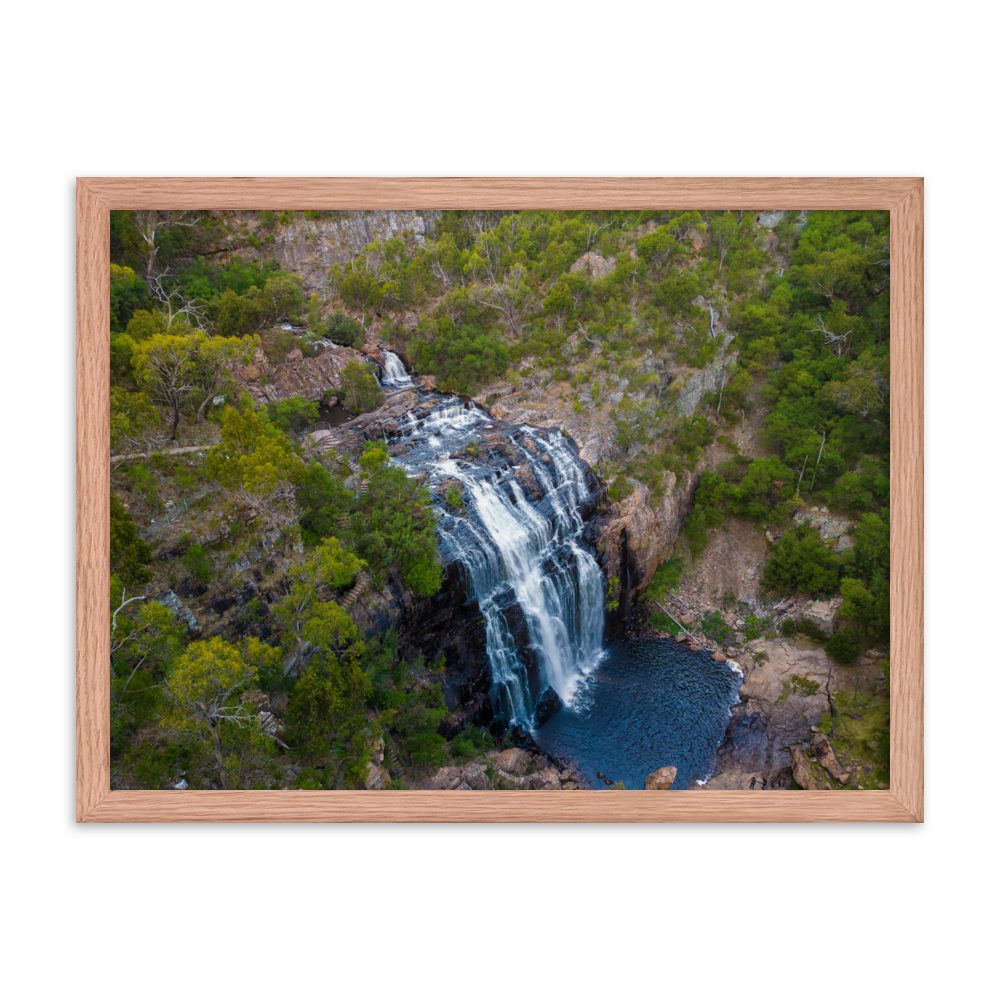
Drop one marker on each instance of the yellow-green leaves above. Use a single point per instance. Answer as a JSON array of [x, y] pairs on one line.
[[205, 676]]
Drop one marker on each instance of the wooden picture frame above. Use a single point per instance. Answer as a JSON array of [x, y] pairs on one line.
[[903, 802]]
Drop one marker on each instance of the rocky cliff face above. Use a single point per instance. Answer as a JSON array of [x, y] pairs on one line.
[[638, 534], [311, 248]]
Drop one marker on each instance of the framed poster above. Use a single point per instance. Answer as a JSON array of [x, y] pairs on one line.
[[902, 197]]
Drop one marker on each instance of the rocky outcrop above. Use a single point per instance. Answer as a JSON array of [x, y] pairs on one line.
[[593, 265], [513, 769], [782, 695], [825, 756], [311, 378], [692, 384], [637, 534], [309, 248], [661, 780], [769, 219], [822, 614], [830, 527], [183, 614], [383, 421], [801, 770]]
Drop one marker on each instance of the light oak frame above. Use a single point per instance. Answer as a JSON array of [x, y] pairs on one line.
[[95, 802]]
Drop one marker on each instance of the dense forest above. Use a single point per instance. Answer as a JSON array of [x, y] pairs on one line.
[[221, 501]]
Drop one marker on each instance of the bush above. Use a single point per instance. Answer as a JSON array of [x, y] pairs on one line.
[[130, 555], [619, 489], [198, 563], [802, 563], [842, 646], [461, 358], [361, 392], [789, 628], [343, 330], [416, 725], [811, 631]]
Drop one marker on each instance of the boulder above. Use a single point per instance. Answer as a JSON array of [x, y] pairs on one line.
[[295, 355], [822, 614], [824, 754], [514, 761], [719, 657], [171, 601], [800, 768], [661, 780], [526, 477], [593, 265], [547, 706]]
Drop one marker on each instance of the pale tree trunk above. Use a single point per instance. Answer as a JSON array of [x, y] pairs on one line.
[[218, 753]]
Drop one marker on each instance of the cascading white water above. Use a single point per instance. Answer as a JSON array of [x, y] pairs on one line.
[[395, 373], [519, 554]]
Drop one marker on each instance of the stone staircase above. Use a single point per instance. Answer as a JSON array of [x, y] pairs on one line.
[[360, 586]]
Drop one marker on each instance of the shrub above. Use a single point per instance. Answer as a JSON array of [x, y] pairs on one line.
[[198, 563], [789, 628], [361, 392], [805, 685], [619, 489], [801, 562], [842, 646], [812, 631]]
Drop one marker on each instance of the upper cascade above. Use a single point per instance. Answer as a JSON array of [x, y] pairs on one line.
[[395, 372]]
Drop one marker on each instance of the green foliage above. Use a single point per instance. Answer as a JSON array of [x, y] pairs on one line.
[[811, 631], [255, 462], [294, 414], [323, 501], [130, 555], [867, 607], [454, 496], [804, 685], [343, 330], [842, 646], [128, 293], [415, 726], [666, 578], [198, 563], [620, 489], [393, 528], [789, 628], [801, 562], [717, 629], [613, 584], [470, 742], [360, 392], [461, 358]]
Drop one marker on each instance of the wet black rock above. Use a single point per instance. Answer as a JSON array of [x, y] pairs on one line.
[[547, 706]]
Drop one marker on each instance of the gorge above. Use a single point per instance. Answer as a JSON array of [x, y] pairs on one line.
[[499, 500]]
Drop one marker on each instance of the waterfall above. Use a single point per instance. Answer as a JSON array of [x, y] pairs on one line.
[[540, 592], [395, 373]]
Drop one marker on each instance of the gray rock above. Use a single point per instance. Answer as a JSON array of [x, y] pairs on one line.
[[170, 600], [822, 614], [181, 785]]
